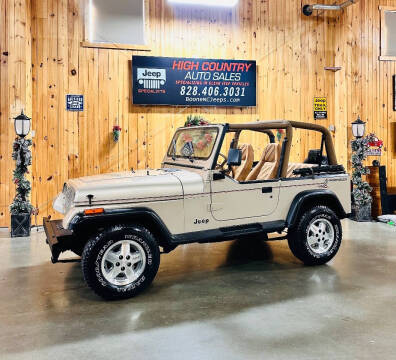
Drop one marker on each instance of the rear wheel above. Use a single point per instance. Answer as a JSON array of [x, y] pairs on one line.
[[120, 262], [316, 238]]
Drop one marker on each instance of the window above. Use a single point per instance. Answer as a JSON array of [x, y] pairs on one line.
[[116, 24], [388, 33], [307, 151], [196, 143], [257, 139]]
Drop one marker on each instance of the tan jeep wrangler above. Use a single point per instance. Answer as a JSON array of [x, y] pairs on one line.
[[119, 222]]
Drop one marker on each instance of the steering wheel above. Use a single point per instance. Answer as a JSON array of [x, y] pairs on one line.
[[221, 165]]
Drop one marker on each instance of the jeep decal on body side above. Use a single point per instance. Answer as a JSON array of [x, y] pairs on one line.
[[201, 221]]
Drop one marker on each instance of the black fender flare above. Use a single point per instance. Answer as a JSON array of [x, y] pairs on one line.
[[142, 215], [310, 197]]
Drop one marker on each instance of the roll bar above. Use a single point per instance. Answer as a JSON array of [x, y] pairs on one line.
[[288, 126], [268, 132]]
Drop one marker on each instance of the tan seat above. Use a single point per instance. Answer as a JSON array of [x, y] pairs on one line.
[[240, 172], [267, 167], [294, 166]]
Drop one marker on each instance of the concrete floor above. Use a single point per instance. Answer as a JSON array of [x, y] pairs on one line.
[[235, 300]]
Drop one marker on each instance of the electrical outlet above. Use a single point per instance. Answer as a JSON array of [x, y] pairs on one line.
[[33, 133], [332, 128]]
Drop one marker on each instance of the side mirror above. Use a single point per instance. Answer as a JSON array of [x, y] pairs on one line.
[[234, 157]]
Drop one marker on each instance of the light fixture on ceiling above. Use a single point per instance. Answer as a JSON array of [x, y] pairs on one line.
[[224, 3]]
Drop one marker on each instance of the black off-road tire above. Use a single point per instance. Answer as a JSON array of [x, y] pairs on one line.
[[297, 236], [95, 249]]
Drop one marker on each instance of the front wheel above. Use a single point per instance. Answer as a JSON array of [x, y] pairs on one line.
[[120, 262], [317, 237]]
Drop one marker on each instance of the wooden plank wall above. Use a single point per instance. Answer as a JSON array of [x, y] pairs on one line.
[[291, 51], [15, 87]]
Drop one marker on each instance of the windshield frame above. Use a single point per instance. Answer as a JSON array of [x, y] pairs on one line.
[[170, 153], [197, 163]]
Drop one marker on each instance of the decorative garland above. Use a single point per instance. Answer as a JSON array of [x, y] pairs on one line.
[[361, 189], [196, 120], [23, 157]]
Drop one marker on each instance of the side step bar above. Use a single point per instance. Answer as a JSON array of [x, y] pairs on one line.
[[229, 233]]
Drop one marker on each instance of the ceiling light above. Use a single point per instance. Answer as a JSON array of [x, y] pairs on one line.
[[228, 3]]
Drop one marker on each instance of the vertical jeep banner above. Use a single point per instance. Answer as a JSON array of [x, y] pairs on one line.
[[193, 82]]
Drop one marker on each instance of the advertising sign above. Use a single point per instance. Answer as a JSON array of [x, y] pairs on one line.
[[193, 82], [320, 108], [74, 102]]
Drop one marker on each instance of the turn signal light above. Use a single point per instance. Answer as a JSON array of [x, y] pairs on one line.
[[93, 211]]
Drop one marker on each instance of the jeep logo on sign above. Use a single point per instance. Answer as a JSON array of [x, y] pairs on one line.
[[151, 78]]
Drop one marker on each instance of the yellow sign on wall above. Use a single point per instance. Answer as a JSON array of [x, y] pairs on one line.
[[320, 108]]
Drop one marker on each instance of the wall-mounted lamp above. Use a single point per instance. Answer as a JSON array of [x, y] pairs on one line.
[[358, 128], [22, 125], [224, 3]]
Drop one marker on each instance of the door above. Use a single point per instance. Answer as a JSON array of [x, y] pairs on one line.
[[231, 200]]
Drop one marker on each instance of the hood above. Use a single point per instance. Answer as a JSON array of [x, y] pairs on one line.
[[128, 187]]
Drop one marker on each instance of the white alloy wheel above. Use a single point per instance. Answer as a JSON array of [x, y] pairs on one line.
[[123, 262], [320, 235]]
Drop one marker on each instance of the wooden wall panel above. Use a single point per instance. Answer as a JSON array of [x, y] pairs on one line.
[[15, 87], [291, 52]]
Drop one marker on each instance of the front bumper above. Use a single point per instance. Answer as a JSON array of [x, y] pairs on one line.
[[58, 238]]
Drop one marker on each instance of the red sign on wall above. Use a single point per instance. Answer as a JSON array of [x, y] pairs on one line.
[[375, 147]]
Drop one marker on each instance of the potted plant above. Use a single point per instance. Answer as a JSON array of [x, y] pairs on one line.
[[361, 189], [21, 209]]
